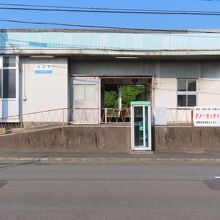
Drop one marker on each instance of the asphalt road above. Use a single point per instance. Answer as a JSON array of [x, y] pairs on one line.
[[109, 191]]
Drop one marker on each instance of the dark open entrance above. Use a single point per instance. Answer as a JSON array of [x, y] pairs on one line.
[[117, 94]]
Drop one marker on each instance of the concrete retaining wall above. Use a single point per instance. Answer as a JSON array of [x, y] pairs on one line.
[[69, 139], [187, 139], [111, 139]]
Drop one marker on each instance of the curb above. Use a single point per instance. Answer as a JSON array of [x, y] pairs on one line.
[[110, 160]]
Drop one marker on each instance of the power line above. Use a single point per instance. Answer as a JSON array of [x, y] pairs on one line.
[[108, 27], [111, 10], [68, 25], [43, 6]]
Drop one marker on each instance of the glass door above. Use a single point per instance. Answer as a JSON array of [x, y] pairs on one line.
[[141, 127], [138, 127]]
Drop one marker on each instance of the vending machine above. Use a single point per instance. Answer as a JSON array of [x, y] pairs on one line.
[[141, 125]]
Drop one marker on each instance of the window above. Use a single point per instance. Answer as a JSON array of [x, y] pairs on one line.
[[9, 62], [90, 92], [8, 78], [187, 92], [78, 92], [9, 83], [84, 92]]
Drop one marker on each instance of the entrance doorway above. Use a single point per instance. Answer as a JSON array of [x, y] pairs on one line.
[[117, 94]]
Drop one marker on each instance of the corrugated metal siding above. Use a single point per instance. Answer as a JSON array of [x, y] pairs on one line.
[[112, 41]]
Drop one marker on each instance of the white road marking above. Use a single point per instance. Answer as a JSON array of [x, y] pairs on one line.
[[217, 177]]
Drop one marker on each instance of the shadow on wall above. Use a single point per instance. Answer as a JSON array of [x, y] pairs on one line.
[[160, 69]]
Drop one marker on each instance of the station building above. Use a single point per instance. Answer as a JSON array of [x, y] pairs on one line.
[[66, 72]]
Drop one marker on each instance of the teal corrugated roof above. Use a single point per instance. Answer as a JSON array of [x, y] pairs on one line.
[[112, 41]]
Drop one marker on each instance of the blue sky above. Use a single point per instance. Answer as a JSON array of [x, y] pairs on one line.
[[123, 20]]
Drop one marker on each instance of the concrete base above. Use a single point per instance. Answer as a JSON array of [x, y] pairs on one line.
[[70, 139], [111, 139], [187, 139], [146, 152]]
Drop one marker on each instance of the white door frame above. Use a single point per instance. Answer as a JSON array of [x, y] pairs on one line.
[[84, 107], [145, 147]]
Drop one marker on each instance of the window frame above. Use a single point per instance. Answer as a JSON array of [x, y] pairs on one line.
[[84, 93], [2, 68], [187, 93]]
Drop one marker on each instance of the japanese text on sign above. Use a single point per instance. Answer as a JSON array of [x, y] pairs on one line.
[[206, 116], [43, 69]]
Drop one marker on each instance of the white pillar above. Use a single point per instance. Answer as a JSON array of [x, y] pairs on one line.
[[119, 98]]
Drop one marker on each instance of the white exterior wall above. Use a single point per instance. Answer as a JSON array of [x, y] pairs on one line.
[[43, 92], [165, 90], [165, 94], [207, 74], [165, 86], [209, 85], [209, 92]]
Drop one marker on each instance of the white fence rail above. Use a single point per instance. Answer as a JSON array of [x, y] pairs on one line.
[[34, 120], [180, 116], [62, 116], [114, 115]]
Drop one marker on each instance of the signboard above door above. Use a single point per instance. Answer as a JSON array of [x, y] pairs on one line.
[[43, 69]]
